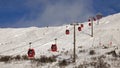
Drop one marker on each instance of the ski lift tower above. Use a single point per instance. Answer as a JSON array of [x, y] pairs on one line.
[[74, 43], [92, 19]]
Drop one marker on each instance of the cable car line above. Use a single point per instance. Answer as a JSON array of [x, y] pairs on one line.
[[19, 46], [41, 44], [32, 42]]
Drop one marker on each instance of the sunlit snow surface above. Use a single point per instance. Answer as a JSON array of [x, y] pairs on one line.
[[15, 41]]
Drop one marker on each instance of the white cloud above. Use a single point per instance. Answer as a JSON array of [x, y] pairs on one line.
[[59, 13]]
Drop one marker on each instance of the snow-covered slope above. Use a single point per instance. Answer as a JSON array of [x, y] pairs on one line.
[[15, 41]]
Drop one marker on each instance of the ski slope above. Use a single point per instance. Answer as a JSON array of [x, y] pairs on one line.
[[15, 41]]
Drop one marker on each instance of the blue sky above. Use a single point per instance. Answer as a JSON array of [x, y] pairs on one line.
[[40, 13]]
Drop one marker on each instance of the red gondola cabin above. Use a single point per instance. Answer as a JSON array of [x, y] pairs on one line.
[[67, 32], [54, 47], [88, 20], [79, 29], [31, 53], [82, 25], [89, 24], [94, 19]]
